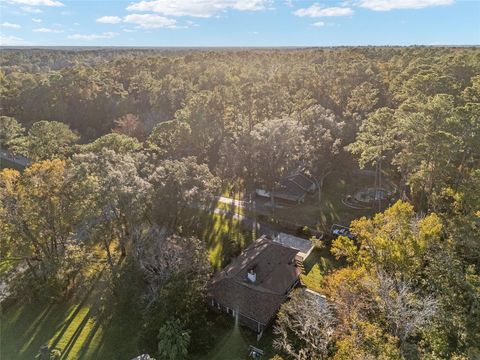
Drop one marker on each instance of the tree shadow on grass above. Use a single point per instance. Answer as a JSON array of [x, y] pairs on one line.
[[34, 327]]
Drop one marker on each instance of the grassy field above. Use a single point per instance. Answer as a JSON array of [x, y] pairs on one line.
[[232, 340], [224, 236], [332, 210], [76, 328], [317, 265]]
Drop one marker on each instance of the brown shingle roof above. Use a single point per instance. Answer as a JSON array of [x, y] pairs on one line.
[[275, 273]]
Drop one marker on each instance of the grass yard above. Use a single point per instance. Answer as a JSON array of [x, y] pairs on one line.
[[317, 265], [232, 340], [224, 235], [75, 328], [332, 210]]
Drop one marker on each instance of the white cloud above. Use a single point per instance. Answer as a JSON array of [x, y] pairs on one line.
[[37, 20], [47, 30], [129, 30], [6, 40], [31, 10], [191, 24], [317, 11], [10, 25], [105, 35], [150, 21], [318, 24], [109, 19], [387, 5], [197, 8], [37, 2]]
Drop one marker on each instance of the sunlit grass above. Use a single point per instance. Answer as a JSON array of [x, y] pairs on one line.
[[317, 265], [76, 328], [224, 237]]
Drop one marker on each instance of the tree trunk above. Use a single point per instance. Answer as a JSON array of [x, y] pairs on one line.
[[272, 200], [31, 267], [109, 256]]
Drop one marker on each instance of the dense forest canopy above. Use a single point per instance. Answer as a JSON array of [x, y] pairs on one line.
[[125, 144]]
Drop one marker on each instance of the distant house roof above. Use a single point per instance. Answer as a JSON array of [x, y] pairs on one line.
[[294, 187], [303, 246], [301, 180], [275, 271]]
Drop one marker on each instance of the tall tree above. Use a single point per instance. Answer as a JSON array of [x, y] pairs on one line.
[[46, 140], [179, 185], [121, 197], [40, 211], [305, 327], [10, 129], [278, 148], [130, 125], [375, 139]]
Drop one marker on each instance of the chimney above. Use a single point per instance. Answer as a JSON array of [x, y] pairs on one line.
[[251, 275]]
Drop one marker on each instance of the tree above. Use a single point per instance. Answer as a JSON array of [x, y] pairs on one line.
[[375, 139], [121, 197], [278, 147], [305, 327], [323, 143], [161, 257], [182, 298], [406, 312], [204, 113], [173, 341], [10, 129], [170, 139], [178, 185], [396, 240], [46, 140], [40, 212], [121, 144], [130, 125]]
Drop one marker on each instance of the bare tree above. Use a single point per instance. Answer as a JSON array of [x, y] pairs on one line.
[[405, 309], [162, 255], [305, 326]]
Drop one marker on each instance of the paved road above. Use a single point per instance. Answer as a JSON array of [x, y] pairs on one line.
[[18, 160]]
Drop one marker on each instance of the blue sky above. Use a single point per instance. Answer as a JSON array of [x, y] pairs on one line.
[[239, 22]]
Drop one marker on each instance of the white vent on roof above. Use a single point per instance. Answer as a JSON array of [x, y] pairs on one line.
[[251, 275]]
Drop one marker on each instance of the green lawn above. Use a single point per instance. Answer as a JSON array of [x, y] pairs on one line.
[[332, 210], [224, 236], [317, 265], [232, 340], [76, 328]]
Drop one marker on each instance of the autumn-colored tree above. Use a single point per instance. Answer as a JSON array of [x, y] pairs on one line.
[[130, 125]]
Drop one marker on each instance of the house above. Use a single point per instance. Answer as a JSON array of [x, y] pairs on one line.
[[292, 188], [303, 246], [254, 285]]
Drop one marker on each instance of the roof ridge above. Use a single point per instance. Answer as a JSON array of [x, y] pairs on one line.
[[257, 287], [256, 244]]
